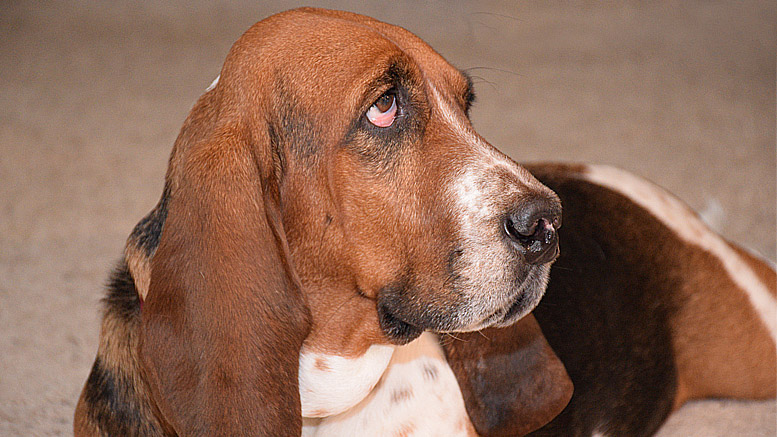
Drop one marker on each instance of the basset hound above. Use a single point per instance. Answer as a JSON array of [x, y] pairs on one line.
[[337, 252]]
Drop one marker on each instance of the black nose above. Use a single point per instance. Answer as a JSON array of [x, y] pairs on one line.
[[533, 228]]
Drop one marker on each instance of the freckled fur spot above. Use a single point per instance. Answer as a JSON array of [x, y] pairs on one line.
[[417, 404], [320, 413], [322, 365], [430, 372], [401, 394], [405, 431], [334, 383]]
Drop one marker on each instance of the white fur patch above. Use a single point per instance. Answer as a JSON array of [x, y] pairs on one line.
[[678, 217], [452, 118], [483, 193], [418, 395], [486, 187], [487, 155], [213, 84], [475, 203], [331, 384], [478, 211]]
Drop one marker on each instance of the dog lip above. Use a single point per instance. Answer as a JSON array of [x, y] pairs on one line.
[[396, 330], [518, 305], [524, 301], [500, 316]]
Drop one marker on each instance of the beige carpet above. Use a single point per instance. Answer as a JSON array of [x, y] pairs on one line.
[[92, 95]]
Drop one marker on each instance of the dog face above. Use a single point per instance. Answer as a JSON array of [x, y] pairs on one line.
[[388, 194], [326, 196]]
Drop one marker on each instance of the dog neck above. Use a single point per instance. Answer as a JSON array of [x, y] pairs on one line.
[[331, 384], [405, 390]]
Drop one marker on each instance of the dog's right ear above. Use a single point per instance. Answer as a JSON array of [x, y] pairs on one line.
[[224, 318], [511, 380]]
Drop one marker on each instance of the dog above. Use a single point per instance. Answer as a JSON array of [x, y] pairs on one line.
[[336, 251]]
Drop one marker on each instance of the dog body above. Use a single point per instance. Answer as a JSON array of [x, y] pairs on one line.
[[417, 395], [328, 207], [648, 308], [653, 312]]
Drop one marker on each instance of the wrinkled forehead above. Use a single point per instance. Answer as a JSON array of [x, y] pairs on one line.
[[337, 54], [434, 66]]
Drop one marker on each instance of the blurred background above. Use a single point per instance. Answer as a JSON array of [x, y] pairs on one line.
[[92, 95]]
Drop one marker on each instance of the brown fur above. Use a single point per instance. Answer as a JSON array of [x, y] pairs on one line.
[[282, 221], [643, 319], [722, 347], [496, 370]]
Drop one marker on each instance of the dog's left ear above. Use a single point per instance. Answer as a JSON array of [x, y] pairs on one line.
[[511, 380]]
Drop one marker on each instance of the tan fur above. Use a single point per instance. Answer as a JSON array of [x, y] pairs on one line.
[[118, 353], [722, 347], [139, 266], [82, 425]]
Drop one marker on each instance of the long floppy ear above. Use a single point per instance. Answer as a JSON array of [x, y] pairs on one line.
[[511, 380], [224, 319]]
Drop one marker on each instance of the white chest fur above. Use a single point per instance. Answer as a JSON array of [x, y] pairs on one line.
[[330, 384], [417, 395]]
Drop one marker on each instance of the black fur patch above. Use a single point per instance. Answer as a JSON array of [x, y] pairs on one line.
[[121, 297], [292, 130], [113, 405], [112, 400], [148, 230], [380, 146], [606, 314], [469, 95]]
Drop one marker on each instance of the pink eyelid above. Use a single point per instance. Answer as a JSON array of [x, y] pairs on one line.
[[382, 119]]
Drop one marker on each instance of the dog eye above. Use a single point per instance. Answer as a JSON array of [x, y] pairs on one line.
[[383, 112]]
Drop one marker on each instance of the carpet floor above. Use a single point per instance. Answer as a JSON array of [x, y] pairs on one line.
[[92, 95]]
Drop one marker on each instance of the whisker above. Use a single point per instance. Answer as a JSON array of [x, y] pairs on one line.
[[494, 14], [452, 336], [479, 79]]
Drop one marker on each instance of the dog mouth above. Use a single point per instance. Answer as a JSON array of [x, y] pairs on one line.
[[397, 330], [518, 308], [527, 298], [402, 325]]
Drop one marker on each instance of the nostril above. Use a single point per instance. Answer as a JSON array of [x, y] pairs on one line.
[[542, 230], [536, 234], [518, 232]]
